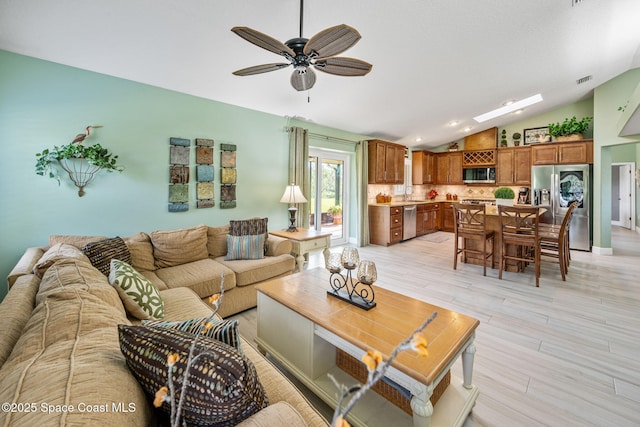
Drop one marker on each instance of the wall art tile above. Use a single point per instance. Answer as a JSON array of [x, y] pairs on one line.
[[179, 155], [179, 174], [204, 155], [179, 171], [204, 173], [228, 176]]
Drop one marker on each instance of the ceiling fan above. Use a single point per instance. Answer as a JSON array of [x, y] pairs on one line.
[[305, 54]]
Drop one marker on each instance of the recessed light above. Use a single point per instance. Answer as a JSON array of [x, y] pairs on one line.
[[509, 102], [508, 108], [518, 111], [467, 129], [453, 123], [418, 139]]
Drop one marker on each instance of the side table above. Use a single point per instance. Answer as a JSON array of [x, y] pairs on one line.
[[305, 240]]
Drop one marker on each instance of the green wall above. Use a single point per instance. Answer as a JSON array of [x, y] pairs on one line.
[[43, 104]]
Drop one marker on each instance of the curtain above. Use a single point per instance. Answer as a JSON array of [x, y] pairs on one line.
[[362, 183], [299, 170]]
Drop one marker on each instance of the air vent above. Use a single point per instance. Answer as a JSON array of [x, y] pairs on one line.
[[584, 79]]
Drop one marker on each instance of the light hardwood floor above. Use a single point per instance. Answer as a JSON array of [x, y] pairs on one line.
[[564, 354]]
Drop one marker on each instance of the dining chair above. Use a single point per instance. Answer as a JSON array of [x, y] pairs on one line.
[[554, 241], [519, 228], [470, 224]]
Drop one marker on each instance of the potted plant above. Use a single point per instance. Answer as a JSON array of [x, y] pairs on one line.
[[80, 161], [336, 214], [516, 139], [433, 193], [503, 138], [571, 129], [504, 196]]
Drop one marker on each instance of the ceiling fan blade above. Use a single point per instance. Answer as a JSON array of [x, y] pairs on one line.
[[257, 69], [303, 78], [264, 41], [341, 66], [332, 41]]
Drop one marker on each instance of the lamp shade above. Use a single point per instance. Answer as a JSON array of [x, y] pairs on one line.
[[293, 194]]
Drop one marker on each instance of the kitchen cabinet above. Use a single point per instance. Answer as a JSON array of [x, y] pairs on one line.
[[386, 162], [513, 166], [487, 139], [449, 168], [448, 222], [431, 218], [562, 153], [423, 166], [385, 225]]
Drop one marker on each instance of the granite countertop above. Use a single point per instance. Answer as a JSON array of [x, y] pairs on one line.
[[408, 202]]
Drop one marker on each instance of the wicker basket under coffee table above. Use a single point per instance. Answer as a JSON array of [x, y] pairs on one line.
[[312, 334]]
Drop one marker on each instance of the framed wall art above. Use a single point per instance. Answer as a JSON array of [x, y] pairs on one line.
[[204, 173], [228, 176], [535, 135], [179, 154]]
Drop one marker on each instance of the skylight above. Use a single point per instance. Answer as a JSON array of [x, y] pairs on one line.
[[514, 106]]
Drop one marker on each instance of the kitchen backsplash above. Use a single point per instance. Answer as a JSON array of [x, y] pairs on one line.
[[419, 192]]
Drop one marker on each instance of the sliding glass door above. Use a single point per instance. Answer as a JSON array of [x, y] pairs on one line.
[[329, 208]]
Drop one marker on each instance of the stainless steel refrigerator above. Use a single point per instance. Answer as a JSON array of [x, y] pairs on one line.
[[554, 188]]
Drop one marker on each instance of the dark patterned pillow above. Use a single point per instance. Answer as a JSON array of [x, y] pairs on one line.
[[223, 387], [101, 253], [249, 227], [225, 331]]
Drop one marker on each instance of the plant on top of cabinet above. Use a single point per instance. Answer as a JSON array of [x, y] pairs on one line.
[[570, 128], [516, 139], [503, 138]]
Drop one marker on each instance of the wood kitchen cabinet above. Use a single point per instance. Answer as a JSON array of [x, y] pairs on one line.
[[386, 162], [513, 166], [561, 153], [447, 217], [428, 218], [385, 225], [449, 168], [423, 166]]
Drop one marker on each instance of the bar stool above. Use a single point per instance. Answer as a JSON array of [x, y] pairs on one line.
[[554, 241], [470, 224], [519, 228]]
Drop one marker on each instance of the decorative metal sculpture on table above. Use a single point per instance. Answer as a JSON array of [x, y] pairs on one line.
[[359, 290]]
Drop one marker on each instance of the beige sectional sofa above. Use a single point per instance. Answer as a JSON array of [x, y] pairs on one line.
[[60, 358], [189, 257]]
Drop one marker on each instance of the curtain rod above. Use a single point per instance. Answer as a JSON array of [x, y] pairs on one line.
[[327, 137]]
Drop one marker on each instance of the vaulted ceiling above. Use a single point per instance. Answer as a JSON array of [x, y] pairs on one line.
[[433, 61]]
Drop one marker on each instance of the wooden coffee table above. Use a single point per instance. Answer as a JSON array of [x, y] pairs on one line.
[[301, 327], [305, 240]]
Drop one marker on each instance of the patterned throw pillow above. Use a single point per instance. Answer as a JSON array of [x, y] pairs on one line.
[[223, 387], [140, 297], [245, 247], [225, 331], [248, 227], [101, 253]]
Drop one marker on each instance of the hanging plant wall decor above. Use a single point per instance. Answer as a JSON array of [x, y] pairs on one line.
[[81, 162]]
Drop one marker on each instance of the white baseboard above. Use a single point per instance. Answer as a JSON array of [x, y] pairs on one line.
[[601, 251]]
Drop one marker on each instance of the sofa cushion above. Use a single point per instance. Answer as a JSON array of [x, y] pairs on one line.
[[141, 251], [54, 253], [78, 275], [278, 414], [68, 354], [223, 387], [77, 241], [203, 277], [15, 311], [140, 297], [217, 240], [226, 331], [101, 253], [176, 247], [248, 272], [245, 247]]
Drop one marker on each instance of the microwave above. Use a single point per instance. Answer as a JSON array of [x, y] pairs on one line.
[[479, 175]]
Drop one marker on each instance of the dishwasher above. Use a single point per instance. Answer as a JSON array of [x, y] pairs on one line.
[[409, 222]]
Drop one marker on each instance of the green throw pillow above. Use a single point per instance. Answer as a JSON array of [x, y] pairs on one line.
[[140, 297], [225, 331], [223, 387]]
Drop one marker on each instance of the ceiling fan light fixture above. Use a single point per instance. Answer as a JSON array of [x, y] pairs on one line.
[[303, 78]]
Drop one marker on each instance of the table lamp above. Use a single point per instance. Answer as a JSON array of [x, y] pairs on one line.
[[292, 195]]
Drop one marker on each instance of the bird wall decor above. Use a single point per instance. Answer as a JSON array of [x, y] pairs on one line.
[[82, 136]]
